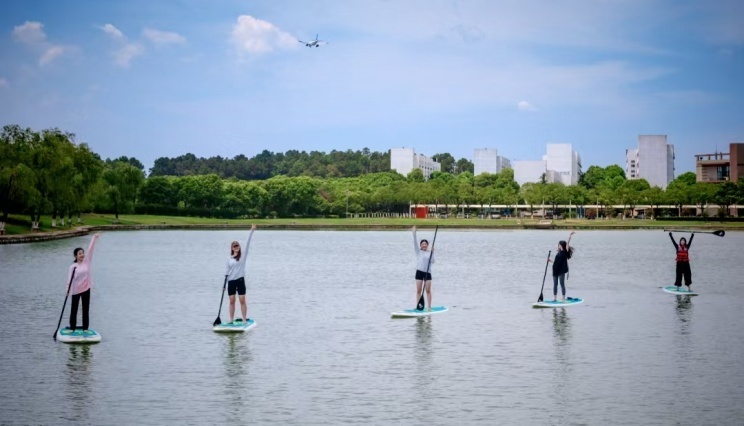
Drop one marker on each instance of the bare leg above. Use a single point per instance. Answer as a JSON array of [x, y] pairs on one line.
[[232, 307], [243, 306], [418, 290], [428, 293]]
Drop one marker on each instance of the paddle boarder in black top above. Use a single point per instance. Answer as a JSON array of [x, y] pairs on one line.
[[683, 261], [560, 266]]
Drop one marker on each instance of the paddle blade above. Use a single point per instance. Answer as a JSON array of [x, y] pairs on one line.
[[420, 306], [217, 322], [720, 233], [540, 299]]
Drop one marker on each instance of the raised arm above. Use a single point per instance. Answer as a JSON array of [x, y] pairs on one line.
[[415, 242], [244, 255], [689, 243], [676, 247], [568, 243], [91, 247]]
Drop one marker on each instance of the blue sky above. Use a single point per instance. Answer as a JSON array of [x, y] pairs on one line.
[[150, 79]]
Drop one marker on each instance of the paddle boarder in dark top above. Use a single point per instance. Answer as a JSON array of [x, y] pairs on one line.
[[560, 266], [683, 261]]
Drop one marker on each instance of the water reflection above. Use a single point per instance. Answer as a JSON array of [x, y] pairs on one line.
[[79, 381], [683, 334], [236, 359], [562, 368], [422, 352]]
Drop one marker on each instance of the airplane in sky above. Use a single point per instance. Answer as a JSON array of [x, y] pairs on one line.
[[313, 43]]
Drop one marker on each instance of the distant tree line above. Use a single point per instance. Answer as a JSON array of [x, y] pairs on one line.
[[48, 172]]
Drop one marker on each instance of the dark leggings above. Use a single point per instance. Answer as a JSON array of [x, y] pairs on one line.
[[73, 309], [562, 278]]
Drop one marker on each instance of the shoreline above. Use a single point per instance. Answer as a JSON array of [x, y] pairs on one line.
[[87, 229]]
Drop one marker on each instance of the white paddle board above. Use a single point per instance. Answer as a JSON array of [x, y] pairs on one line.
[[410, 313], [237, 326], [65, 335], [570, 301], [678, 290]]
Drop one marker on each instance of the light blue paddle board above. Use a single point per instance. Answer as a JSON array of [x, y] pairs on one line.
[[570, 301], [236, 326], [682, 291], [410, 313], [65, 335]]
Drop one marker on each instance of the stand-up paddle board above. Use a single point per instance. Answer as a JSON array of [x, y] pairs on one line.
[[410, 313], [237, 326], [679, 291], [65, 335], [570, 301]]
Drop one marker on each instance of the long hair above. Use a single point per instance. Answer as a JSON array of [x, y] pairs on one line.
[[564, 246], [683, 239], [75, 253], [240, 251]]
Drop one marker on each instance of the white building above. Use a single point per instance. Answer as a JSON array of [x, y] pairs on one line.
[[404, 160], [487, 160], [560, 164], [564, 161], [653, 160], [529, 171]]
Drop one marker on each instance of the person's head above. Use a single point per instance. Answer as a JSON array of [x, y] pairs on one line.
[[683, 241], [79, 254], [235, 250], [424, 244], [563, 246]]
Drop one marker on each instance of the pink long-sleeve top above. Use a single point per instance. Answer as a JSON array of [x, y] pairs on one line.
[[81, 281]]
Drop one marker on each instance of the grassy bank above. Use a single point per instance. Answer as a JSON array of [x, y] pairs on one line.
[[19, 225]]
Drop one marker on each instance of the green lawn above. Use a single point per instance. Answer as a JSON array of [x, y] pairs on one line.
[[21, 224]]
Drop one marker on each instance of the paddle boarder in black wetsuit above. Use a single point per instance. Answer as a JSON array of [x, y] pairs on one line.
[[683, 261], [560, 266]]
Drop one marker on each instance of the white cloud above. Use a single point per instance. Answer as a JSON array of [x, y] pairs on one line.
[[126, 51], [30, 33], [252, 35], [50, 54], [162, 38], [114, 32], [526, 106], [123, 56]]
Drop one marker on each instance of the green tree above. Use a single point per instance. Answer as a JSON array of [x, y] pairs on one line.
[[446, 160], [726, 194], [464, 165], [416, 175]]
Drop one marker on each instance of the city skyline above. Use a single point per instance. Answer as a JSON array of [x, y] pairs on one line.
[[151, 80]]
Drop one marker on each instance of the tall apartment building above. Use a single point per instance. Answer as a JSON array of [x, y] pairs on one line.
[[487, 160], [561, 158], [653, 160], [560, 164], [404, 160], [721, 166]]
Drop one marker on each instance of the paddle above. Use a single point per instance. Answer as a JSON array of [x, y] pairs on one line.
[[719, 233], [64, 304], [420, 305], [540, 299], [218, 321]]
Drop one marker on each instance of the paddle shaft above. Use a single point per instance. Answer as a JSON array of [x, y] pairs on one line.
[[421, 303], [218, 321], [547, 262], [69, 286], [719, 233]]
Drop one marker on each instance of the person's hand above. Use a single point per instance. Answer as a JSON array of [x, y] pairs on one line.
[[414, 227], [572, 232], [253, 227]]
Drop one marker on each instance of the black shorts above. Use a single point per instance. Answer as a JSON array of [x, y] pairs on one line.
[[236, 285], [421, 275]]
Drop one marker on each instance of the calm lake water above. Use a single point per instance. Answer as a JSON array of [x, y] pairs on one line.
[[325, 350]]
